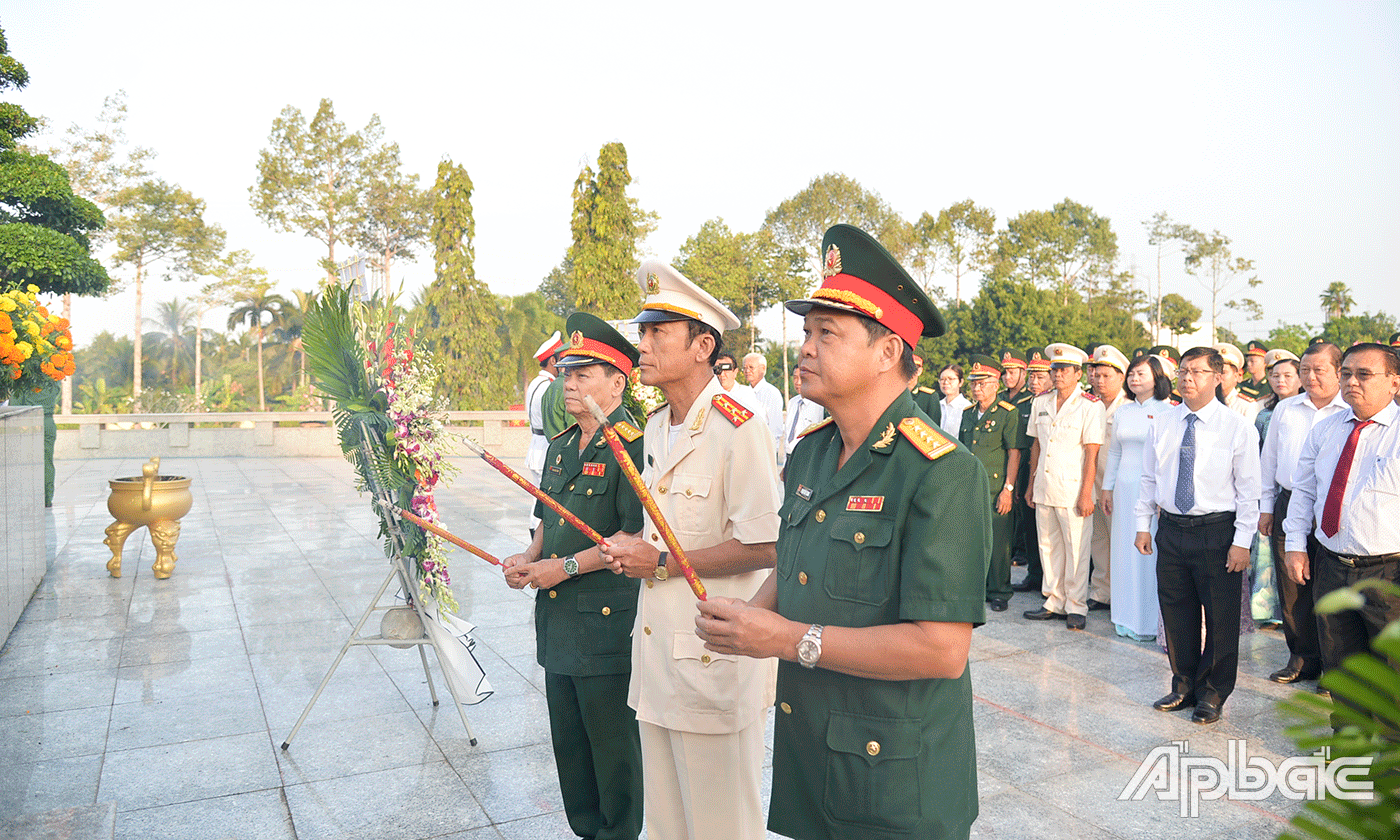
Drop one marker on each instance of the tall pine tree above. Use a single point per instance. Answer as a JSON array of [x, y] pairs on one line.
[[607, 227], [462, 320]]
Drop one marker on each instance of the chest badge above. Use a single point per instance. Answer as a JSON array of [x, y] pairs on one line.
[[804, 492], [591, 468], [871, 503]]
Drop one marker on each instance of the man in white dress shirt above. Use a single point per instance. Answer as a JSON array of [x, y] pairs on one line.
[[1293, 419], [802, 413], [1108, 369], [1066, 427], [755, 366], [1347, 483], [1201, 472]]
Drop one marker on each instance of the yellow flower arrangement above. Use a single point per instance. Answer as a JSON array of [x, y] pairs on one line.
[[36, 347]]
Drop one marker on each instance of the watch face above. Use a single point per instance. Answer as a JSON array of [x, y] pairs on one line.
[[661, 573], [571, 567], [807, 651]]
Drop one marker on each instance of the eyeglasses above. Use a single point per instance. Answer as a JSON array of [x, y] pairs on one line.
[[1193, 373], [1361, 375]]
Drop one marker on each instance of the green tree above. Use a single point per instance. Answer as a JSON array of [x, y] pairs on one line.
[[607, 228], [1346, 330], [1178, 315], [231, 275], [1291, 337], [175, 321], [1061, 248], [799, 223], [1013, 312], [958, 240], [462, 322], [1336, 300], [311, 177], [44, 226], [735, 268], [1167, 237], [528, 321], [249, 307], [1210, 260], [106, 357], [396, 212], [159, 222]]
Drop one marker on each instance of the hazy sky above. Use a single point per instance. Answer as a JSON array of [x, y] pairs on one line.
[[1277, 123]]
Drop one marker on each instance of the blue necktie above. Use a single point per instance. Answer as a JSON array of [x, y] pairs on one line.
[[1186, 468]]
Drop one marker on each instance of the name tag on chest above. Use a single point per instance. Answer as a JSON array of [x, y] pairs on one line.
[[591, 468], [874, 503]]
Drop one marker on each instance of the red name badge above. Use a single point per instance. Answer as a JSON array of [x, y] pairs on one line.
[[593, 469], [865, 503]]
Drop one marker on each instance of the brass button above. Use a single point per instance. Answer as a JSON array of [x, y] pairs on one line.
[[561, 520], [860, 537], [802, 578], [554, 557], [705, 659], [553, 594], [588, 492], [650, 584], [689, 492], [607, 610], [571, 486], [873, 747], [646, 630], [656, 538], [661, 489], [787, 710], [821, 516]]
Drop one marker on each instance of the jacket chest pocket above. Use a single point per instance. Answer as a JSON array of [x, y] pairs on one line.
[[589, 486], [791, 514], [872, 771], [552, 482], [690, 500], [859, 565]]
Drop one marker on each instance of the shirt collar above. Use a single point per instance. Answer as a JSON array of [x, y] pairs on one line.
[[1385, 417], [1206, 412]]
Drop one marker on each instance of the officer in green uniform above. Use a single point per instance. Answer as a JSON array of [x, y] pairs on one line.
[[1013, 376], [556, 419], [882, 563], [1256, 383], [924, 396], [583, 615], [990, 428], [1037, 382]]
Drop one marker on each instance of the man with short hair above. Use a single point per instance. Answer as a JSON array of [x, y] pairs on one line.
[[1201, 473], [755, 366], [991, 429], [1108, 369], [1238, 401], [1256, 369], [802, 412], [710, 466], [1066, 430], [1346, 485], [880, 580], [1294, 418]]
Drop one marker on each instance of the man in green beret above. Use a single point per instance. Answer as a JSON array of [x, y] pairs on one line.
[[882, 563], [991, 429], [583, 615]]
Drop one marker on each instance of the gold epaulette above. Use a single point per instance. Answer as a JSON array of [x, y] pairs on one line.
[[924, 389], [927, 439], [817, 425], [1090, 397], [732, 411], [565, 432], [627, 431], [1006, 405]]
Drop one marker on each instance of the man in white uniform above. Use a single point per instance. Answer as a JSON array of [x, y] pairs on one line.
[[1238, 401], [709, 463], [755, 366], [1108, 369], [534, 408]]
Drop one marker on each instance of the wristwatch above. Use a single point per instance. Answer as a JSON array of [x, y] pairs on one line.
[[661, 573], [809, 648], [570, 566], [1008, 487]]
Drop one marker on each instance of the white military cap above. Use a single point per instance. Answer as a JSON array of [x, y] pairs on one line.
[[1230, 353], [1277, 355], [1060, 353], [1107, 354], [672, 297], [551, 345]]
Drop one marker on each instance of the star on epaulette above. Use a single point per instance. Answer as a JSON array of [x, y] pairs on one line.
[[927, 439], [732, 411], [567, 429], [627, 431], [817, 425], [1006, 405]]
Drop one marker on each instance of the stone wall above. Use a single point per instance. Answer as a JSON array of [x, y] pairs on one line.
[[24, 559]]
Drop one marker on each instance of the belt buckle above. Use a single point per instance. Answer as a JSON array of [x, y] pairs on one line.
[[1346, 561]]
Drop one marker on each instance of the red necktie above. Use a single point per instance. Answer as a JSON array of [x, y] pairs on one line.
[[1332, 510]]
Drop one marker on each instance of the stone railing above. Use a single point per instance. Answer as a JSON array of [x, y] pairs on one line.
[[251, 434], [24, 559]]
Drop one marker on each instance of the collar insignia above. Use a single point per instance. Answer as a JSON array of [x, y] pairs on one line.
[[886, 438]]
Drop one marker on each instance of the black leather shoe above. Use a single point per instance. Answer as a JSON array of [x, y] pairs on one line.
[[1174, 701], [1025, 587], [1018, 561], [1206, 712], [1041, 614], [1295, 671], [1097, 605], [1075, 622], [998, 604]]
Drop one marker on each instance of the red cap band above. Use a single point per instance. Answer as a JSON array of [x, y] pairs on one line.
[[595, 349], [870, 300]]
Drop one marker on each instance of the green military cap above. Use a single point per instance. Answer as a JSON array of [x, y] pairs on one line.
[[861, 277], [1394, 340], [983, 367], [1090, 348], [1139, 352], [1035, 359], [1255, 348], [1317, 339], [1012, 359], [592, 340], [1166, 351]]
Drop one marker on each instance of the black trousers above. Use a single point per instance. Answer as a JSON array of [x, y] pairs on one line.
[[1296, 602], [598, 752], [1024, 539], [1351, 631], [1191, 579]]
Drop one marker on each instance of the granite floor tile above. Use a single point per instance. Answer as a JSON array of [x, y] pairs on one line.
[[173, 773], [1016, 815], [29, 787], [330, 749], [49, 735], [57, 693], [426, 800], [259, 814], [81, 821], [183, 678], [175, 645], [176, 719], [523, 721], [511, 784]]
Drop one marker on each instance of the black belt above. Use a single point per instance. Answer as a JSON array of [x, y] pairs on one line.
[[1360, 561], [1198, 521]]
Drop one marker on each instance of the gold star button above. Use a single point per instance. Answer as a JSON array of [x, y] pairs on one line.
[[787, 710], [873, 747], [607, 610], [661, 489], [554, 557], [860, 537], [650, 584], [705, 659], [553, 594], [561, 520], [821, 516], [656, 538], [646, 630], [689, 492], [571, 486], [589, 492], [802, 578]]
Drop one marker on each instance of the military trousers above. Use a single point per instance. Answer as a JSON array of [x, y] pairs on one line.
[[1100, 557], [999, 569], [598, 752], [1064, 554], [704, 787]]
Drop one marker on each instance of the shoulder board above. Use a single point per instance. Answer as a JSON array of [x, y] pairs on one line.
[[732, 411], [924, 389], [1246, 397], [927, 439], [1006, 405], [1090, 397], [627, 431], [1026, 396], [817, 425], [567, 429]]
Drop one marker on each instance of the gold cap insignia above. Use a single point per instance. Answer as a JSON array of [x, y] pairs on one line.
[[653, 285], [833, 261], [576, 340]]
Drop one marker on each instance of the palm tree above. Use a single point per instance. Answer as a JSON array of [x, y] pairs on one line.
[[174, 319], [249, 307], [288, 331], [1337, 300]]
